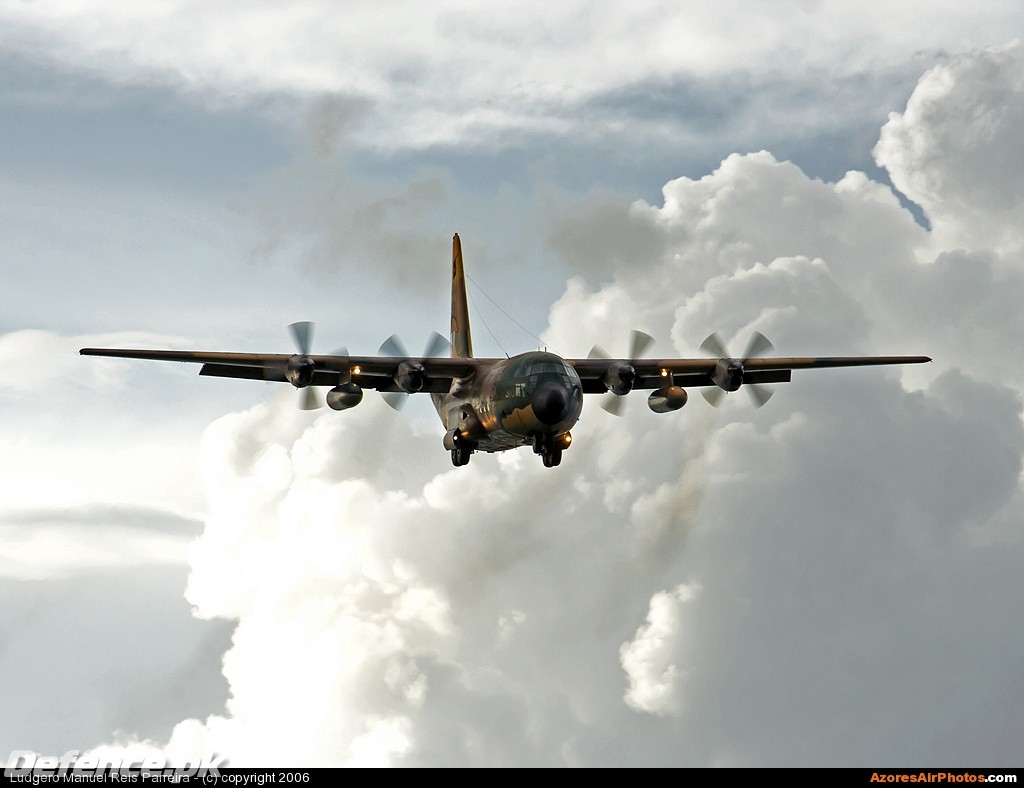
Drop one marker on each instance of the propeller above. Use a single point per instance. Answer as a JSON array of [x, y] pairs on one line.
[[394, 347], [302, 333], [301, 366], [639, 342], [757, 346]]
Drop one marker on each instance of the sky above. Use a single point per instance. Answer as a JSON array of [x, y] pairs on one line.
[[197, 566]]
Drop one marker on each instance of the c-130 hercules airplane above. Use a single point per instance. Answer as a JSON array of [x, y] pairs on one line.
[[496, 404]]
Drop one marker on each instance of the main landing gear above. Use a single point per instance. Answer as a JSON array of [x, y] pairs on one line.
[[460, 448], [461, 454], [550, 447]]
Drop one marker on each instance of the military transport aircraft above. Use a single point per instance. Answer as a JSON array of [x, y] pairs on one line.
[[495, 404]]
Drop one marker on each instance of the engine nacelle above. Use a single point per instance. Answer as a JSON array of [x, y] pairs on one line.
[[667, 399], [345, 396], [299, 371], [619, 377], [728, 374], [410, 376]]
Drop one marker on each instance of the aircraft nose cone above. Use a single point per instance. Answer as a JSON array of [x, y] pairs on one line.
[[550, 403]]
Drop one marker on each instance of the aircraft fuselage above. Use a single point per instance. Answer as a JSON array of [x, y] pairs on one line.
[[533, 398]]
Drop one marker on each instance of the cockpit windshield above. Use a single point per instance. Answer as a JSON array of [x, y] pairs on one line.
[[536, 370]]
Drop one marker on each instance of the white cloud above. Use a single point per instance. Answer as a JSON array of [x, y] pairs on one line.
[[397, 605], [43, 548], [854, 541], [62, 411], [35, 360], [456, 71], [955, 150], [849, 540], [97, 510], [648, 659]]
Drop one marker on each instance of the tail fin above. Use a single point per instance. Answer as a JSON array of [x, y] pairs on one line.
[[462, 339]]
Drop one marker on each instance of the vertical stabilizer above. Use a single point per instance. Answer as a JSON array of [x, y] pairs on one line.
[[462, 340]]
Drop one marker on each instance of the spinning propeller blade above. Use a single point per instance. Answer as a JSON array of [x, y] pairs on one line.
[[393, 346], [758, 346], [639, 342]]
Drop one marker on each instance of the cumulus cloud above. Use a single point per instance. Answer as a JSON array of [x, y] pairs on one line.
[[421, 591], [856, 544], [955, 149], [647, 659], [850, 540]]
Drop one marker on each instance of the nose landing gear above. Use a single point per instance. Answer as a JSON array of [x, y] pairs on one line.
[[550, 447], [461, 455]]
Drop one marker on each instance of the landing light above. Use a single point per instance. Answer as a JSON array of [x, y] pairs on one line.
[[664, 373], [355, 370]]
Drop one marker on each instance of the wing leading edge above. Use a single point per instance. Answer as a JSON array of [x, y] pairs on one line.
[[697, 372], [372, 372], [378, 372]]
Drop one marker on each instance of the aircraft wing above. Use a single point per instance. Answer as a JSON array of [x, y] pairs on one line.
[[379, 372], [696, 372], [371, 372]]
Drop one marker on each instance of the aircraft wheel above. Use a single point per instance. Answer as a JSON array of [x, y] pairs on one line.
[[457, 458], [555, 457], [546, 458], [464, 454]]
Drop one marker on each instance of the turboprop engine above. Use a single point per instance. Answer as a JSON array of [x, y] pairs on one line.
[[299, 371], [619, 377], [410, 376]]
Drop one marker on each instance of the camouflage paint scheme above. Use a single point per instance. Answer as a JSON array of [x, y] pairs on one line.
[[490, 404]]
